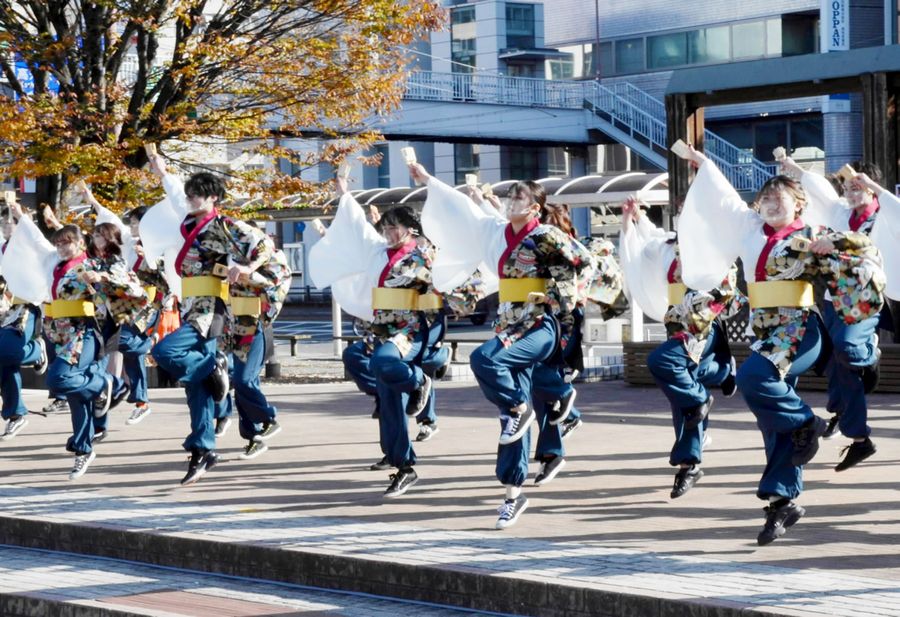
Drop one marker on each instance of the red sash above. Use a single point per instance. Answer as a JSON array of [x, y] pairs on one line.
[[60, 269], [857, 221], [513, 240], [395, 255], [3, 248], [189, 237], [774, 236], [670, 275]]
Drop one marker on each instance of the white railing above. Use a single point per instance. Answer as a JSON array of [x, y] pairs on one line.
[[625, 106]]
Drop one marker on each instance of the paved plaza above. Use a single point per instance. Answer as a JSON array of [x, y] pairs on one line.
[[602, 539]]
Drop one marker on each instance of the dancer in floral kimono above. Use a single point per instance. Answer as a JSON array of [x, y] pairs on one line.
[[74, 283], [21, 344], [256, 302], [853, 370], [782, 256], [695, 356], [386, 281], [209, 255], [539, 267]]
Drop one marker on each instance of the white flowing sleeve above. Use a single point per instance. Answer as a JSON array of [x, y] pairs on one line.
[[711, 229], [886, 236], [29, 246], [462, 232], [159, 226], [108, 216], [641, 248], [825, 206], [348, 258]]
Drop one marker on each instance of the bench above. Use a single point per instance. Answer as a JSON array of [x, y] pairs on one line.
[[637, 374], [293, 339], [453, 342]]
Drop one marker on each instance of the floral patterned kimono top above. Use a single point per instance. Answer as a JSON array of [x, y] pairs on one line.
[[270, 283], [353, 259], [469, 238], [67, 333], [123, 297], [208, 242], [607, 288], [154, 280], [651, 260], [852, 274]]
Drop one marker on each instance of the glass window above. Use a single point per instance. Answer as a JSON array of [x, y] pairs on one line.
[[630, 56], [748, 40], [557, 163], [799, 34], [384, 167], [462, 15], [523, 164], [467, 160], [560, 68], [709, 45], [807, 141], [606, 60], [666, 50], [520, 26], [773, 37], [768, 136]]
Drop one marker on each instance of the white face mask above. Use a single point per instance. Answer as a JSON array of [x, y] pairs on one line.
[[778, 209]]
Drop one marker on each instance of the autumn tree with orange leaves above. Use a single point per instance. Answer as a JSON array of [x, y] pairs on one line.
[[103, 78]]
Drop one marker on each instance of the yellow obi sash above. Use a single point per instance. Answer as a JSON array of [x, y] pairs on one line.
[[517, 290], [151, 293], [773, 294], [246, 306], [199, 286], [430, 302], [59, 309], [394, 299], [17, 301], [676, 293]]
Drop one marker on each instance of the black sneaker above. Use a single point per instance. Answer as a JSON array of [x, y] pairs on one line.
[[686, 478], [222, 425], [40, 367], [217, 381], [82, 462], [57, 405], [548, 470], [694, 416], [856, 452], [510, 511], [806, 440], [380, 465], [515, 425], [562, 408], [269, 430], [729, 386], [13, 426], [401, 482], [427, 430], [118, 397], [418, 398], [199, 464], [833, 429], [569, 427], [442, 371], [872, 374], [252, 450], [102, 402], [778, 519], [99, 436]]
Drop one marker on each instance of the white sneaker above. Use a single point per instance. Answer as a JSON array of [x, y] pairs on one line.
[[510, 511], [82, 462], [138, 413], [13, 426]]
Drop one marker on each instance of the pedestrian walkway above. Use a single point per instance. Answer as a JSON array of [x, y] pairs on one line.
[[603, 538], [52, 582]]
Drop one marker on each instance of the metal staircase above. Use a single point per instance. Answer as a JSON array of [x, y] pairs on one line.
[[622, 111]]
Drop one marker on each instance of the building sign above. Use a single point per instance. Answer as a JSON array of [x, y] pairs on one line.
[[835, 25]]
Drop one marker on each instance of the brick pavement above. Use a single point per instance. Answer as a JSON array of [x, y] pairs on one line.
[[603, 538]]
